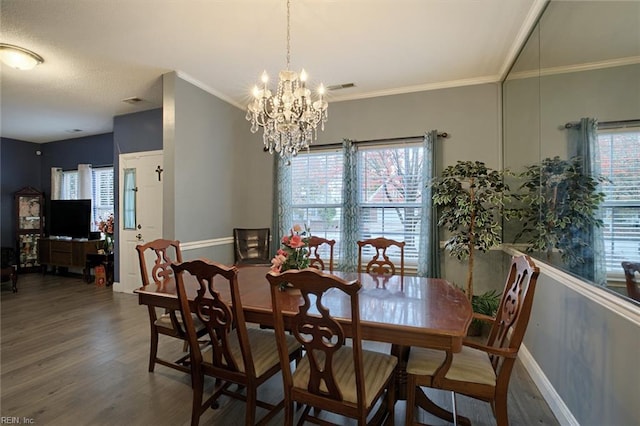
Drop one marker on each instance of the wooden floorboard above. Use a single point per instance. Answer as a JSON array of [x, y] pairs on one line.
[[75, 354]]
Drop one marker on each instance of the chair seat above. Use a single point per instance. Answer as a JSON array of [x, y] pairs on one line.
[[264, 350], [165, 321], [470, 365], [377, 367]]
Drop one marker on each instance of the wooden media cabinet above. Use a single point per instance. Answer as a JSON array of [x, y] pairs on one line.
[[65, 253]]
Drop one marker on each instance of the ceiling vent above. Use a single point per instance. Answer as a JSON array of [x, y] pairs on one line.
[[341, 86], [134, 100]]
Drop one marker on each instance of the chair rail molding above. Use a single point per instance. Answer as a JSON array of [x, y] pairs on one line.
[[193, 245], [615, 304]]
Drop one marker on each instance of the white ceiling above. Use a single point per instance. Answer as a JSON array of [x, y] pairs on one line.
[[99, 52]]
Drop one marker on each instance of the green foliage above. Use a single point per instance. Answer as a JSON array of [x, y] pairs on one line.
[[559, 206], [470, 197], [486, 303]]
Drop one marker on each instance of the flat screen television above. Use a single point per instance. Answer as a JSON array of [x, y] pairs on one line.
[[70, 218]]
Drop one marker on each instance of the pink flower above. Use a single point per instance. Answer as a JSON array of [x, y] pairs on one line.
[[285, 240], [281, 252], [277, 261], [296, 242], [297, 228]]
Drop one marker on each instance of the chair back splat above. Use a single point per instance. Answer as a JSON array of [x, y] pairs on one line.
[[155, 259], [332, 376], [251, 246], [380, 263], [315, 260], [512, 317], [234, 353]]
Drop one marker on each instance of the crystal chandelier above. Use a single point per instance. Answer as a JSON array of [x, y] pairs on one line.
[[290, 117]]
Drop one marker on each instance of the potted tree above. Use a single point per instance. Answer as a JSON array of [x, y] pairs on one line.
[[470, 197], [558, 212]]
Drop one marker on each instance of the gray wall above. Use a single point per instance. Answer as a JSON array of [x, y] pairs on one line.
[[588, 352], [19, 167], [469, 114], [201, 139]]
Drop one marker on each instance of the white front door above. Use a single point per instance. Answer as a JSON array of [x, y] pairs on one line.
[[140, 211]]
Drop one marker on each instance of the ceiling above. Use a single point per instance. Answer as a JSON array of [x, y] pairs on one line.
[[98, 53]]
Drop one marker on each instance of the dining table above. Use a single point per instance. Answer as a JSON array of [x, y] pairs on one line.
[[404, 311]]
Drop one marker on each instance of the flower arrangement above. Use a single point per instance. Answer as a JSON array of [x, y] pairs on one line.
[[294, 253], [106, 227]]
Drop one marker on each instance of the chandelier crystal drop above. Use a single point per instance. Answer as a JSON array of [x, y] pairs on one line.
[[290, 117]]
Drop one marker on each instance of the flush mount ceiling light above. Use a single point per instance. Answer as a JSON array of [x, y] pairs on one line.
[[19, 57], [289, 117]]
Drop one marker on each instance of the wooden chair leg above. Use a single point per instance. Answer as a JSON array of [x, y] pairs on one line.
[[500, 410], [454, 410], [411, 399], [391, 402], [153, 351], [288, 413], [197, 384], [250, 416]]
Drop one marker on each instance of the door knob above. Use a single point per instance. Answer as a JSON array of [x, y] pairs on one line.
[[139, 237]]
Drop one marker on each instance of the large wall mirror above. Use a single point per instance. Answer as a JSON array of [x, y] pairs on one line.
[[571, 106]]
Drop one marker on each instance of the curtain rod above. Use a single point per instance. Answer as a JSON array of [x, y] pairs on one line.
[[607, 124], [376, 141]]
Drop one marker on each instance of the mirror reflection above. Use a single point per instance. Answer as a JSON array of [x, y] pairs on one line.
[[572, 139]]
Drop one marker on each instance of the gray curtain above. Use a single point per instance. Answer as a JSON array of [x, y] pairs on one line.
[[349, 234], [282, 216], [583, 143], [429, 247]]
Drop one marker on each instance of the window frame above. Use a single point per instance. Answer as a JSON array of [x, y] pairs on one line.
[[614, 270], [411, 256]]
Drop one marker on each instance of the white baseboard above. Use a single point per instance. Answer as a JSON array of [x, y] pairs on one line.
[[553, 400], [121, 288]]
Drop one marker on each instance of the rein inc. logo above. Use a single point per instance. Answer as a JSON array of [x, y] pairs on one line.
[[7, 420]]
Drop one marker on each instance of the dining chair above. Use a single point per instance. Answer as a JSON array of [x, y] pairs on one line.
[[246, 356], [155, 258], [480, 371], [380, 263], [332, 376], [315, 247], [633, 286], [8, 267], [251, 246]]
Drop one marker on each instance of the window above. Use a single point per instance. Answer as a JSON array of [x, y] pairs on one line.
[[102, 203], [389, 193], [316, 193], [620, 163]]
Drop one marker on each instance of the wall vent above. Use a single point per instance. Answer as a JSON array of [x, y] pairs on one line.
[[133, 100], [341, 86]]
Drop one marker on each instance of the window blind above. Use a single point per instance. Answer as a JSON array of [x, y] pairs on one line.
[[619, 161], [316, 193], [390, 191]]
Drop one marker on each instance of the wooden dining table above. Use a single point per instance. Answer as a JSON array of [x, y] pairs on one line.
[[404, 311]]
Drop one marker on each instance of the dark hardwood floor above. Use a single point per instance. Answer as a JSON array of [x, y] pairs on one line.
[[76, 354]]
